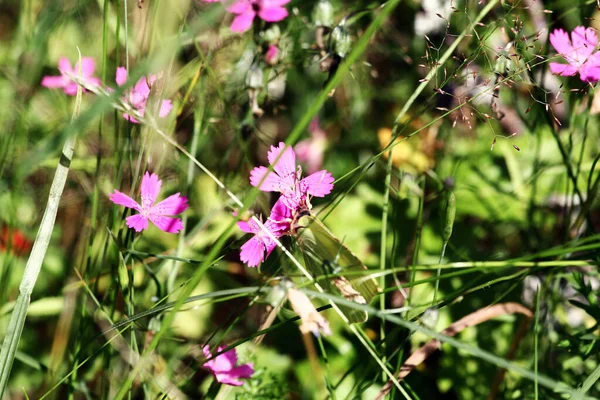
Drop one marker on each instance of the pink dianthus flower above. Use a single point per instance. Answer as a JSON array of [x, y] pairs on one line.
[[157, 213], [138, 96], [224, 367], [578, 51], [258, 248], [286, 179], [65, 80], [247, 10]]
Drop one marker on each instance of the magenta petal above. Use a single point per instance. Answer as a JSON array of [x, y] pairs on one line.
[[71, 89], [130, 118], [252, 252], [319, 184], [562, 69], [240, 7], [54, 82], [121, 77], [243, 371], [88, 66], [561, 41], [165, 108], [172, 205], [64, 65], [273, 14], [246, 227], [286, 165], [274, 3], [170, 225], [243, 22], [138, 222], [149, 189], [122, 199], [225, 361], [272, 183], [590, 73], [584, 41], [280, 212]]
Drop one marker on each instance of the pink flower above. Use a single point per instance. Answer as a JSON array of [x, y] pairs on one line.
[[65, 80], [247, 10], [272, 55], [224, 369], [286, 179], [257, 249], [310, 151], [578, 51], [138, 96], [172, 205]]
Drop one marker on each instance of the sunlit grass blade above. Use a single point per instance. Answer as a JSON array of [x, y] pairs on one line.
[[38, 253]]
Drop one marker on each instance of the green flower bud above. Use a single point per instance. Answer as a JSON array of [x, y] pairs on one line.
[[340, 41], [254, 79], [272, 35], [448, 217], [323, 13]]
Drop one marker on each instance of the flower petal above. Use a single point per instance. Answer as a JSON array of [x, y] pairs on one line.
[[584, 42], [274, 3], [272, 183], [319, 184], [138, 222], [149, 189], [562, 69], [225, 361], [286, 165], [561, 41], [232, 376], [252, 252], [88, 66], [165, 108], [243, 22], [273, 14], [246, 227], [55, 82], [170, 225], [172, 205], [121, 77], [122, 199], [240, 7], [280, 212], [64, 66]]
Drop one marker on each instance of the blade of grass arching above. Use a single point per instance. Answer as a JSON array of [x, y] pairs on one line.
[[38, 253]]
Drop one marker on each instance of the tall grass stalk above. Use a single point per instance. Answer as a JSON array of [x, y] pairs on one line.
[[38, 253]]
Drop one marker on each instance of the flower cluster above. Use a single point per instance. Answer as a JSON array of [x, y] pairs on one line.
[[578, 51], [137, 97], [296, 192], [247, 10]]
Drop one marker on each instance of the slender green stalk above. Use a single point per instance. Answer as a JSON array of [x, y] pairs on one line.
[[38, 253]]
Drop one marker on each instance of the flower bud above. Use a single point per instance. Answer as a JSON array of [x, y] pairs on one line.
[[272, 35], [323, 13], [340, 41], [254, 79]]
